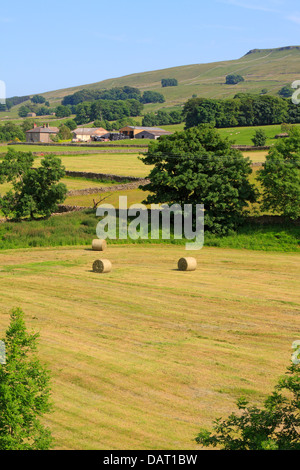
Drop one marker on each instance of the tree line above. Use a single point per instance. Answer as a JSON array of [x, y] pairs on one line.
[[107, 110], [242, 110], [162, 118], [114, 94], [13, 101]]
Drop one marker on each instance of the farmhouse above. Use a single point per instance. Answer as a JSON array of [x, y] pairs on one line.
[[41, 134], [86, 134], [31, 114], [133, 131]]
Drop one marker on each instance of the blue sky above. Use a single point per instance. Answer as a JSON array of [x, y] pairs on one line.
[[58, 44]]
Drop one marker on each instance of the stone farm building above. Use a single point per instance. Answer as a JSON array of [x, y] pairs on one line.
[[155, 134], [41, 134], [86, 134], [136, 132]]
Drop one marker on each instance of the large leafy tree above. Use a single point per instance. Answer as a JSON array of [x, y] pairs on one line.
[[280, 177], [273, 427], [10, 131], [233, 79], [35, 191], [198, 166], [24, 390], [259, 139]]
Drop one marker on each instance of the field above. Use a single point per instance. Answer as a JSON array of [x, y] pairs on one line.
[[121, 164], [116, 164], [144, 356]]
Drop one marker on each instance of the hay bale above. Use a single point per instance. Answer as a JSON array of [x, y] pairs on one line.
[[102, 266], [187, 264], [99, 245]]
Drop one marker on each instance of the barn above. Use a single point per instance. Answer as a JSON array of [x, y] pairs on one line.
[[132, 131], [151, 134]]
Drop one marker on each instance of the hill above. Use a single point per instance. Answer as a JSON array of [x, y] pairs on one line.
[[268, 69]]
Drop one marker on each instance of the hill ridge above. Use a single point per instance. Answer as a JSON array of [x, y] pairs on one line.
[[273, 49]]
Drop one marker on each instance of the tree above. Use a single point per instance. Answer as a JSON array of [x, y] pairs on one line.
[[259, 139], [71, 124], [152, 97], [24, 390], [27, 124], [62, 111], [280, 177], [273, 427], [38, 99], [23, 111], [169, 82], [286, 91], [10, 131], [233, 79], [198, 166], [64, 133], [35, 191]]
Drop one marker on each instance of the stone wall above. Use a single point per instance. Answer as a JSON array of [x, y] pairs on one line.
[[107, 189], [101, 176]]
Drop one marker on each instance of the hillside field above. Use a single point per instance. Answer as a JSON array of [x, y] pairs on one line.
[[268, 69], [144, 356]]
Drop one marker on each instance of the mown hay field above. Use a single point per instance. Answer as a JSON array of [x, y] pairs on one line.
[[122, 164], [116, 164], [145, 355]]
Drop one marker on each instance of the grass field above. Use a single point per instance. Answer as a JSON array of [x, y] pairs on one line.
[[122, 164], [78, 228], [117, 164], [134, 196], [144, 356], [69, 148]]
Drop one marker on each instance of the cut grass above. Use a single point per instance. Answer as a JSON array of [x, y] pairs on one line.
[[143, 357], [77, 149], [134, 196], [116, 164]]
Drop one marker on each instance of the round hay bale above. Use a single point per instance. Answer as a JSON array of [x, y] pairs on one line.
[[102, 266], [99, 245], [187, 264]]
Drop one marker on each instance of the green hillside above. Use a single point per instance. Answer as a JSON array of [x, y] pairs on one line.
[[261, 68]]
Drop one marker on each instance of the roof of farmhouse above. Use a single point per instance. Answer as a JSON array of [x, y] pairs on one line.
[[89, 130], [44, 129]]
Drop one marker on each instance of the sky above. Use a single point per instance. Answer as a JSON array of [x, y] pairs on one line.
[[59, 44]]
